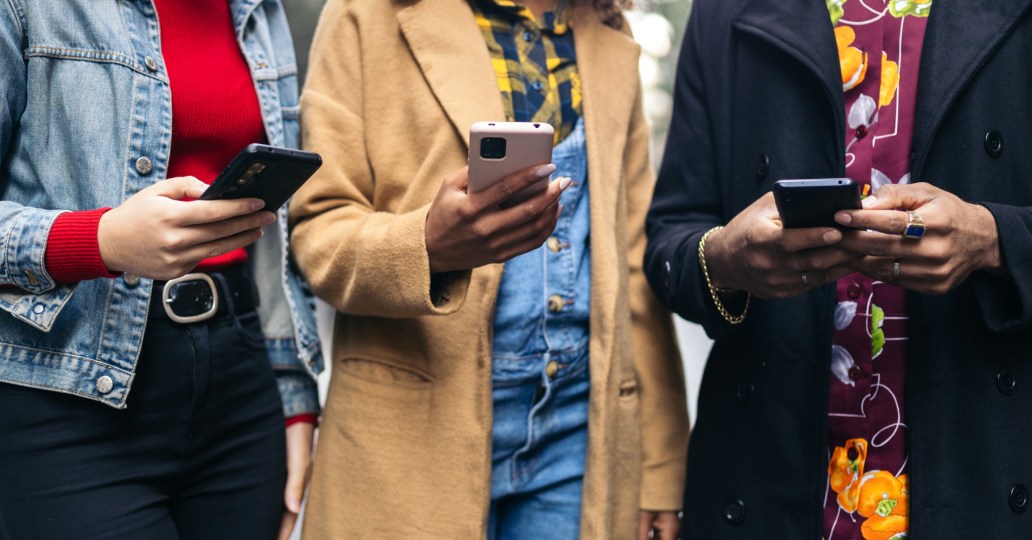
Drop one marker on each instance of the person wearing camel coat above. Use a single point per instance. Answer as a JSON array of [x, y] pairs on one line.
[[404, 449]]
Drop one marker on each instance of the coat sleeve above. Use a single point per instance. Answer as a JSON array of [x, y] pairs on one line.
[[1007, 302], [657, 361], [27, 290], [360, 260], [687, 201]]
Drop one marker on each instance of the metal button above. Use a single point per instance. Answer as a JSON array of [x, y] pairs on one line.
[[551, 369], [1005, 381], [150, 63], [853, 291], [733, 511], [39, 309], [1018, 498], [763, 167], [555, 303], [144, 165], [554, 244], [131, 280], [105, 384], [994, 143]]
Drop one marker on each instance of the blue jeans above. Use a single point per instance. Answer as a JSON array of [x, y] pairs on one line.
[[540, 437]]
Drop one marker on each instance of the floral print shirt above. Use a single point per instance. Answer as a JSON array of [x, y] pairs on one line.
[[879, 45]]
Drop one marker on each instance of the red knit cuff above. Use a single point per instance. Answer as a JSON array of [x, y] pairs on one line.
[[306, 418], [73, 251]]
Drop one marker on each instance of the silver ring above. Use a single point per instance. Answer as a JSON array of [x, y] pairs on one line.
[[806, 281], [895, 269]]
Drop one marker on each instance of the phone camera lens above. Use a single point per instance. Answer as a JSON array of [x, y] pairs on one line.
[[492, 147]]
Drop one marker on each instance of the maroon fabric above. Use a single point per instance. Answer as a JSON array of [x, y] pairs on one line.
[[867, 451]]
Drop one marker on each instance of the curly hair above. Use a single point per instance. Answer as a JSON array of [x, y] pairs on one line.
[[611, 11]]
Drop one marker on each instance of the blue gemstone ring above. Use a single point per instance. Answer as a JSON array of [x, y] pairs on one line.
[[915, 229]]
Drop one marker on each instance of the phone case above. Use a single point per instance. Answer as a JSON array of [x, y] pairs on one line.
[[813, 203], [526, 144], [264, 172]]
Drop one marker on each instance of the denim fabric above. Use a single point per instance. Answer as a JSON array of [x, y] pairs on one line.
[[539, 441], [524, 324], [84, 96]]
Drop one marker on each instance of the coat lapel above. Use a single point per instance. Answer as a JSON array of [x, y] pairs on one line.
[[961, 34], [450, 50], [803, 30]]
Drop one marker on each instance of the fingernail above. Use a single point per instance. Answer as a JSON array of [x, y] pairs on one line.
[[843, 218], [832, 236], [565, 183], [544, 170], [869, 201], [293, 505], [257, 204], [268, 218]]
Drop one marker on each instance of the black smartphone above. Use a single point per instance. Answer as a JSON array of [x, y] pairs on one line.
[[813, 203], [264, 172]]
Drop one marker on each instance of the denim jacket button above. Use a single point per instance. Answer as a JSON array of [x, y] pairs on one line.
[[554, 244], [105, 384], [150, 63], [552, 369], [144, 165], [131, 280], [555, 303], [38, 309]]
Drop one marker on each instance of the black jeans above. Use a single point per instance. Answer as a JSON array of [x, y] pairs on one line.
[[199, 452]]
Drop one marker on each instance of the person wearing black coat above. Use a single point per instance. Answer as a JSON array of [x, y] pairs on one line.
[[758, 98]]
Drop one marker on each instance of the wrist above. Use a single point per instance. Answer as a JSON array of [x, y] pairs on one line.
[[715, 261], [991, 259], [104, 244]]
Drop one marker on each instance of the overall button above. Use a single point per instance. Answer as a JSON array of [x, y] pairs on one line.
[[1018, 498], [555, 303], [554, 245], [150, 63], [131, 280], [763, 167], [1005, 381], [994, 143], [144, 165], [105, 384], [733, 511], [551, 369]]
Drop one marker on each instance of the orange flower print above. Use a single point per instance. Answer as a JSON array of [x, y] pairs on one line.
[[889, 80], [845, 471], [883, 500], [852, 61]]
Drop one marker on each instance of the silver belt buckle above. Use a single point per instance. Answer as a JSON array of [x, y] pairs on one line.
[[166, 299]]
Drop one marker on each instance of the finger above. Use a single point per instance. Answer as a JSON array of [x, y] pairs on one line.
[[544, 222], [201, 212], [819, 258], [522, 247], [885, 221], [180, 187], [793, 240], [222, 246], [527, 211], [511, 184], [287, 525], [458, 180], [901, 197], [644, 525], [199, 234], [668, 526], [877, 244]]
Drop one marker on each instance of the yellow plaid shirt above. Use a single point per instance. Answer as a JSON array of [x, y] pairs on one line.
[[534, 62]]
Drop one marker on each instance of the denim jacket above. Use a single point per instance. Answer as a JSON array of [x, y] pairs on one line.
[[86, 122]]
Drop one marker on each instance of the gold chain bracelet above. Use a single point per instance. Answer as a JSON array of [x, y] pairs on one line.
[[733, 319]]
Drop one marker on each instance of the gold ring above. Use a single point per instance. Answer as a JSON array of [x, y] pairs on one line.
[[915, 229]]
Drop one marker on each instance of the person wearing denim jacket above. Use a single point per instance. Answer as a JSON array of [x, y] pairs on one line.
[[86, 122]]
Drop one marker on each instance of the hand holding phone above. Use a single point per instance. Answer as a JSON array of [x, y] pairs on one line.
[[813, 203], [264, 172]]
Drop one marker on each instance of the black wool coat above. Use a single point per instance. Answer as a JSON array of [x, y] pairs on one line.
[[759, 98]]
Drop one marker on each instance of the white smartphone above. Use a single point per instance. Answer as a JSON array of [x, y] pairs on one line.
[[498, 149]]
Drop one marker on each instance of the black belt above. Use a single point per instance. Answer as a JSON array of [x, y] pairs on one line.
[[200, 296]]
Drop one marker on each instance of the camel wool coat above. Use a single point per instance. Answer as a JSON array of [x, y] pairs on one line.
[[405, 445]]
